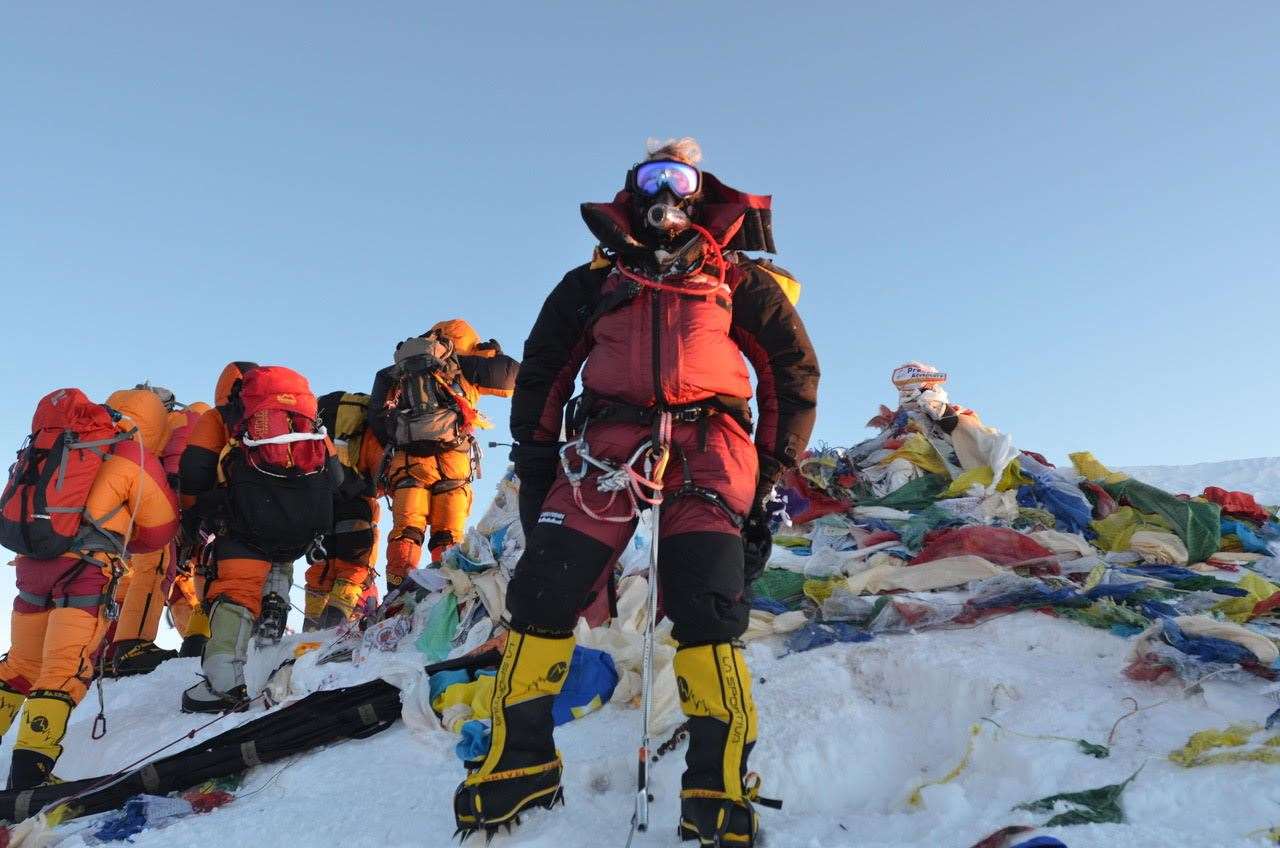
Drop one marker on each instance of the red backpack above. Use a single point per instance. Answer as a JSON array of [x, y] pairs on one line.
[[43, 503], [281, 496], [279, 428]]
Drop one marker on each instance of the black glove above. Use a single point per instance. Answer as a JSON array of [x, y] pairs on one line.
[[757, 541], [492, 345], [211, 509], [757, 545], [536, 465], [189, 539]]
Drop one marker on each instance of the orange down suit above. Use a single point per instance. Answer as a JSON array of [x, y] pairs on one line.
[[435, 490], [184, 595], [59, 616], [154, 579]]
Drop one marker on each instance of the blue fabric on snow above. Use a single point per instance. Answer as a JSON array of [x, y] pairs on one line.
[[1249, 538], [1207, 648], [131, 819], [1115, 591], [442, 680], [876, 524], [139, 813], [769, 605], [1056, 494], [1041, 842], [816, 635], [475, 741], [1069, 511], [592, 675], [1039, 595], [1174, 574], [1158, 609]]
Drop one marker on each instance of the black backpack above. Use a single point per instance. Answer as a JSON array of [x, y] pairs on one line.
[[281, 509], [426, 414]]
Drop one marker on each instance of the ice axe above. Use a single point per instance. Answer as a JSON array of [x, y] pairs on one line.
[[655, 468]]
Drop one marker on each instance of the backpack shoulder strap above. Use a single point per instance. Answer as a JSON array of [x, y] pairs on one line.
[[606, 302]]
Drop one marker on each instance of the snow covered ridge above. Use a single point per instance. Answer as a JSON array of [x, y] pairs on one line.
[[848, 734], [1260, 477], [938, 731]]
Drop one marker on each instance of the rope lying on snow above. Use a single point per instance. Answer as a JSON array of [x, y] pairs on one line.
[[1193, 688], [915, 799], [1101, 752]]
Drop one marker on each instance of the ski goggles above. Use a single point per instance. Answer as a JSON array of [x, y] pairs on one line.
[[652, 177]]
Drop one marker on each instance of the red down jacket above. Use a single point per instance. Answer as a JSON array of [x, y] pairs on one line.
[[671, 349]]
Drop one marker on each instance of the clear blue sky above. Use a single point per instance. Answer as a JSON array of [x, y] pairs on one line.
[[1069, 207]]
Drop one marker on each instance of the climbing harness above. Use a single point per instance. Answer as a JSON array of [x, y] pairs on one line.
[[620, 479]]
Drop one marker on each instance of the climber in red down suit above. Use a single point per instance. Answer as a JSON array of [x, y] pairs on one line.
[[658, 322]]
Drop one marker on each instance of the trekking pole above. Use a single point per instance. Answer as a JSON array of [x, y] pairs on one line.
[[658, 458]]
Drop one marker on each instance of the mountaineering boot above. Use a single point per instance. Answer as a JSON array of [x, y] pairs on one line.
[[331, 617], [312, 605], [271, 624], [275, 605], [222, 688], [137, 656], [716, 798], [522, 768], [345, 596], [202, 699], [11, 701], [340, 604], [39, 743]]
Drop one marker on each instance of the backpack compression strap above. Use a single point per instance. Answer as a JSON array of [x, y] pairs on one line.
[[284, 439]]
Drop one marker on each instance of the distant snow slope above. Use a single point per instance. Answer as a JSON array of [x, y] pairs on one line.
[[1258, 477]]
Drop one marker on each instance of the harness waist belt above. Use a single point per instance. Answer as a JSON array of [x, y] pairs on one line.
[[610, 410], [74, 601]]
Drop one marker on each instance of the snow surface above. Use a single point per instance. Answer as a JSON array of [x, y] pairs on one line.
[[846, 733], [1258, 477]]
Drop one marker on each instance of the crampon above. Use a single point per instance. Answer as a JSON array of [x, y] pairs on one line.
[[494, 803], [715, 820], [271, 623]]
